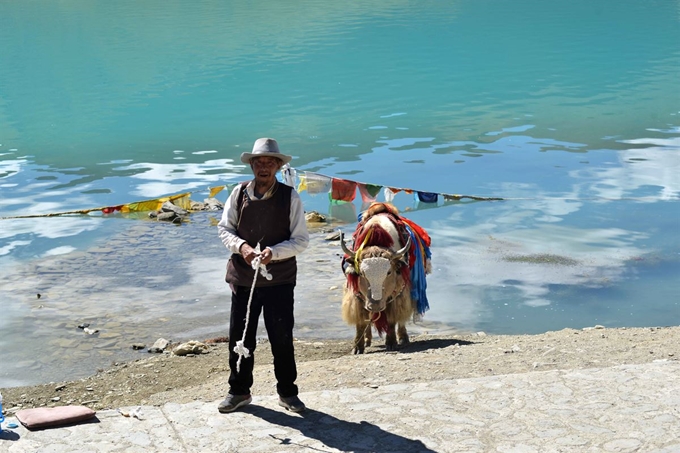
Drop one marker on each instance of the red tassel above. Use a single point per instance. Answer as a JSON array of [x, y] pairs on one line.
[[380, 323], [353, 283]]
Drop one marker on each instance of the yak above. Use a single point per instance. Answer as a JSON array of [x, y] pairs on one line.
[[389, 255]]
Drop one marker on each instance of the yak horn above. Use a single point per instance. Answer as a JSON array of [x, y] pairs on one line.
[[344, 246], [403, 250]]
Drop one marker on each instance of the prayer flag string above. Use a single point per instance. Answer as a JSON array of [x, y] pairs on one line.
[[345, 190], [338, 190]]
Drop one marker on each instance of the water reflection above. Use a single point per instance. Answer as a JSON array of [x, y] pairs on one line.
[[655, 166], [530, 260]]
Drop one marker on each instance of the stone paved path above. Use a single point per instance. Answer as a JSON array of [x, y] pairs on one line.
[[630, 408]]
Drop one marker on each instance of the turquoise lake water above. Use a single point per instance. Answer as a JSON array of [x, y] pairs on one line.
[[570, 111]]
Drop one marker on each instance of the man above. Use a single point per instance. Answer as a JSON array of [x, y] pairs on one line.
[[270, 213]]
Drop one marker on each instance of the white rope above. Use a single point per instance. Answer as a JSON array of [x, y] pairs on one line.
[[240, 347]]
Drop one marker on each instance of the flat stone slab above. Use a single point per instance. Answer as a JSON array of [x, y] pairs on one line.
[[627, 408]]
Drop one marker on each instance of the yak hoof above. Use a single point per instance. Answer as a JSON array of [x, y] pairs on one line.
[[358, 351], [390, 347]]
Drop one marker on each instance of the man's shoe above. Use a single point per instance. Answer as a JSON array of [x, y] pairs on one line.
[[233, 402], [292, 403]]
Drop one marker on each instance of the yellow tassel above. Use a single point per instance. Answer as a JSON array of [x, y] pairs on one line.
[[357, 264]]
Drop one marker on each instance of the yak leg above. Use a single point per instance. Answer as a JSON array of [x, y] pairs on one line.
[[390, 338], [368, 335], [359, 344], [402, 335]]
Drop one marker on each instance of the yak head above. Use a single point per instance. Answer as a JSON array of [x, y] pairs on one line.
[[379, 272]]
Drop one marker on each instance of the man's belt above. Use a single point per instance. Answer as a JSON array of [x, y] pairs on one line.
[[281, 261]]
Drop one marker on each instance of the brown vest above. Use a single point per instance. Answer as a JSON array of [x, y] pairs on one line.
[[267, 222]]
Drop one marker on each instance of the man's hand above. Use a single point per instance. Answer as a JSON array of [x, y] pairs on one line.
[[266, 256], [249, 254]]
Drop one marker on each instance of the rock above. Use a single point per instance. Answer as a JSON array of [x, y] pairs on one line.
[[315, 217], [209, 204], [334, 236], [213, 204], [166, 216], [83, 325], [159, 346], [90, 331], [138, 346], [198, 206], [171, 213], [153, 214], [169, 207], [191, 347]]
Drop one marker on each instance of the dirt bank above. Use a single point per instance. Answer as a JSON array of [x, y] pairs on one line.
[[331, 364]]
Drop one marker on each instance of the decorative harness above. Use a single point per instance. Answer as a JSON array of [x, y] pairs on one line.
[[413, 268]]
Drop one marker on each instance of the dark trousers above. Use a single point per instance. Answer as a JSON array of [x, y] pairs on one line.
[[277, 304]]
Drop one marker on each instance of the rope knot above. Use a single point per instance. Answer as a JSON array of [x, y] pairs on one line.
[[241, 350]]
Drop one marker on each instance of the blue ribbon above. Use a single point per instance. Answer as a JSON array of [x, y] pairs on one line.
[[418, 282]]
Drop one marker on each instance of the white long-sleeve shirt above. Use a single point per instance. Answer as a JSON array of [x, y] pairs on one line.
[[299, 236]]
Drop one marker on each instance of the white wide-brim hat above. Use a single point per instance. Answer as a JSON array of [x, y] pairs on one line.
[[265, 147]]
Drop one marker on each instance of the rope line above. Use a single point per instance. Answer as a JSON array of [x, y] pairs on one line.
[[240, 347], [370, 322]]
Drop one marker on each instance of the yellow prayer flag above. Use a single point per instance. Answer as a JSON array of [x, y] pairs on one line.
[[139, 206], [182, 200], [215, 190], [302, 185]]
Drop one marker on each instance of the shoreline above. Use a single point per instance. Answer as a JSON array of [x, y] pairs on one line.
[[105, 288], [330, 364]]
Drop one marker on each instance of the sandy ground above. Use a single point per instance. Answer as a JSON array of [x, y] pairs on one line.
[[162, 378]]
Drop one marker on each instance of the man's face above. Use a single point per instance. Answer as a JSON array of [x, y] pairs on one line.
[[264, 169]]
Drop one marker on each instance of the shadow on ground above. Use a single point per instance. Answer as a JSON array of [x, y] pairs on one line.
[[418, 346], [361, 437]]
